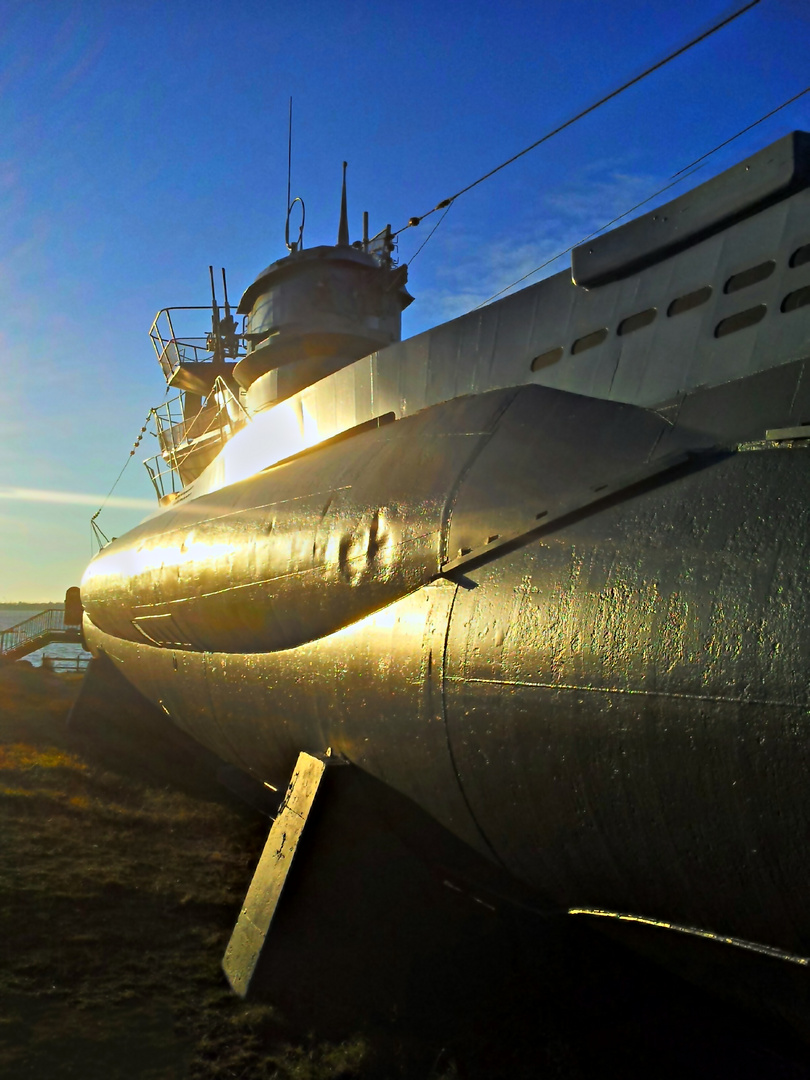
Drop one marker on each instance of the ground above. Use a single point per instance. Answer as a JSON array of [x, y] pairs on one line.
[[117, 897]]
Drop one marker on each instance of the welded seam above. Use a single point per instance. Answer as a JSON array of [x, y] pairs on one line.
[[694, 931], [451, 755], [628, 691], [452, 495]]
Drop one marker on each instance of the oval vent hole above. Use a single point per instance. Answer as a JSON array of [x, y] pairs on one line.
[[797, 299], [750, 276], [546, 359], [689, 300], [636, 322], [740, 321], [590, 341], [800, 256]]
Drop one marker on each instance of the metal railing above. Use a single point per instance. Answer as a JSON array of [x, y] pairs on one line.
[[66, 665], [174, 348], [36, 626], [183, 437]]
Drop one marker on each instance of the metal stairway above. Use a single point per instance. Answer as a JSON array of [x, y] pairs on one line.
[[36, 632]]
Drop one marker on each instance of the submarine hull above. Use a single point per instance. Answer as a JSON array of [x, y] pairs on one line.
[[539, 573], [614, 708]]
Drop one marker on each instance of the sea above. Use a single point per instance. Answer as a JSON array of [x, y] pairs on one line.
[[57, 656]]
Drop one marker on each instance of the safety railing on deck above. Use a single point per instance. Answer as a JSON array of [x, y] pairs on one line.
[[188, 442], [177, 338]]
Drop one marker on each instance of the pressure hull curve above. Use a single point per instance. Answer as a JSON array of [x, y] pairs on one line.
[[613, 706]]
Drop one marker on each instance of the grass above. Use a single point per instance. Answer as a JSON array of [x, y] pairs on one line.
[[116, 902], [117, 898]]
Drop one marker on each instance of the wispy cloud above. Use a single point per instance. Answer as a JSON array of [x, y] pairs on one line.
[[473, 268]]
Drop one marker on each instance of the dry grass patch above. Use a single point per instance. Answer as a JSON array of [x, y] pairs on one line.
[[116, 901]]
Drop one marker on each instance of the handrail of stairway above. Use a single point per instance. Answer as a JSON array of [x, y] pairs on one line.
[[32, 627]]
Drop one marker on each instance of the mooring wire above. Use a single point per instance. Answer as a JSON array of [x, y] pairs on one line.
[[719, 25], [590, 236], [93, 520], [767, 116], [432, 231], [677, 178]]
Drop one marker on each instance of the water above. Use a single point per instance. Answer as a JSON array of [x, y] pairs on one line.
[[57, 656], [11, 616]]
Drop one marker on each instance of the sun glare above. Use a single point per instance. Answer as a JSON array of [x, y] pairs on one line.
[[74, 498], [131, 563], [285, 430]]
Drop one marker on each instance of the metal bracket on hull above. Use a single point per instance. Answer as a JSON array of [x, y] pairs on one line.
[[263, 895]]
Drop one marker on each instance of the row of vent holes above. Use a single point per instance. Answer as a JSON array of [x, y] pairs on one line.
[[792, 302], [693, 300], [764, 270]]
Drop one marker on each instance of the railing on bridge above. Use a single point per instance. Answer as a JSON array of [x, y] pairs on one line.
[[65, 665], [175, 347], [41, 628]]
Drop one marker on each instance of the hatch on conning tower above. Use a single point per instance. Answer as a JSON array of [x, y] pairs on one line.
[[318, 310]]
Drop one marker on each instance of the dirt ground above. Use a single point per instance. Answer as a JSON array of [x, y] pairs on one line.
[[117, 898]]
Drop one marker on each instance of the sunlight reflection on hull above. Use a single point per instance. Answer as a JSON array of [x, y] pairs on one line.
[[287, 429], [133, 562]]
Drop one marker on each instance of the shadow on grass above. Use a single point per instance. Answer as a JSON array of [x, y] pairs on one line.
[[118, 892]]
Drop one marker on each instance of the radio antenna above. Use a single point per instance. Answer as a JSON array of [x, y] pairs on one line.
[[295, 245], [289, 156]]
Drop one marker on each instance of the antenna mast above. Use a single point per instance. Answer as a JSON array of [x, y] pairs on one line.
[[343, 225], [295, 245], [289, 156]]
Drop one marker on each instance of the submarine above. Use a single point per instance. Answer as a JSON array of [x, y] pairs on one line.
[[541, 572]]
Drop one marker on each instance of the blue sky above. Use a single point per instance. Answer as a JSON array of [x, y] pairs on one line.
[[143, 141]]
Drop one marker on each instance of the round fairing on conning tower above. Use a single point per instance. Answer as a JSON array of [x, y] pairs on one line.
[[318, 305]]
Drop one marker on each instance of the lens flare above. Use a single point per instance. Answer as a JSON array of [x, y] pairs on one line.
[[74, 498]]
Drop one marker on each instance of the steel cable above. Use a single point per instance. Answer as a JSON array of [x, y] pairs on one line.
[[713, 29], [677, 178]]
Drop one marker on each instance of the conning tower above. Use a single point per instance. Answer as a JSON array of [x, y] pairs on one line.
[[318, 310]]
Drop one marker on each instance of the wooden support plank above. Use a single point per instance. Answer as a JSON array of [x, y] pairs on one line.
[[263, 895]]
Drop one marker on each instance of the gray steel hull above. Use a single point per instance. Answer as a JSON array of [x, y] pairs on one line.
[[540, 570], [616, 710]]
